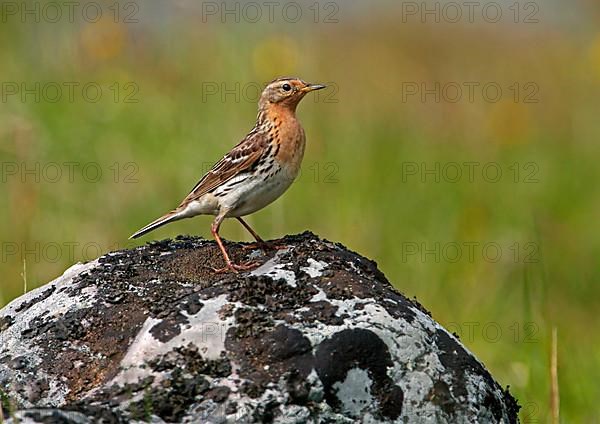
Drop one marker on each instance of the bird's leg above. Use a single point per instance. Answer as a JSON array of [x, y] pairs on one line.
[[229, 265], [258, 239], [260, 243]]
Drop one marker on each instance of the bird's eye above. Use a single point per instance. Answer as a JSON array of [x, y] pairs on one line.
[[286, 87]]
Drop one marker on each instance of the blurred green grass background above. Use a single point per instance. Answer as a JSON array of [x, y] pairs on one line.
[[363, 137]]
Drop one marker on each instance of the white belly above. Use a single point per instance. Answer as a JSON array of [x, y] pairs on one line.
[[242, 195], [256, 193]]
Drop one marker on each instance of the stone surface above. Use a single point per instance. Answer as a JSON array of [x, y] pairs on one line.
[[316, 334]]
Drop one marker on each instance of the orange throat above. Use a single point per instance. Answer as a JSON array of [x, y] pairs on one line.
[[288, 134]]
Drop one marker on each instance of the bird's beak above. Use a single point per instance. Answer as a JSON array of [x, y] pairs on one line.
[[312, 87]]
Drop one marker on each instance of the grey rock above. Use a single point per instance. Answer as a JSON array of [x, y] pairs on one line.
[[316, 334]]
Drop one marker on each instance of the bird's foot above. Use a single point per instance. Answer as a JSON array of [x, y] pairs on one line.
[[232, 267]]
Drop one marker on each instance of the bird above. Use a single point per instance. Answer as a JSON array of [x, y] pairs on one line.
[[254, 173]]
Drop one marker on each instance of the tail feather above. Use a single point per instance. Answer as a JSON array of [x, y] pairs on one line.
[[165, 219]]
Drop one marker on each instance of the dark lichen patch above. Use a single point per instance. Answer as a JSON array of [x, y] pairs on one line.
[[114, 395], [45, 295], [192, 304], [275, 295], [324, 312], [281, 345], [189, 358], [297, 387], [99, 414], [512, 406], [266, 412], [254, 291], [250, 323], [18, 362], [35, 327], [358, 348], [440, 395], [218, 394], [32, 391], [342, 285], [172, 319], [458, 362], [172, 398], [168, 328], [5, 322], [262, 360], [391, 399], [53, 416], [457, 359]]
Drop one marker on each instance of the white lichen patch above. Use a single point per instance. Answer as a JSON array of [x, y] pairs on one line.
[[314, 268], [58, 304], [354, 392], [28, 307], [321, 295], [206, 330], [276, 270]]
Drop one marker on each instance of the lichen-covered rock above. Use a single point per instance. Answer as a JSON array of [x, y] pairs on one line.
[[316, 334]]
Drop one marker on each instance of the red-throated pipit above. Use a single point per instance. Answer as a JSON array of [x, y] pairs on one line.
[[256, 171]]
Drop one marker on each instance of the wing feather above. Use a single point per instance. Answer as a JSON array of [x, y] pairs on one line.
[[240, 159]]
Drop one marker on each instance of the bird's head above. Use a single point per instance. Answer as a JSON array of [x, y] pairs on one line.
[[286, 92]]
